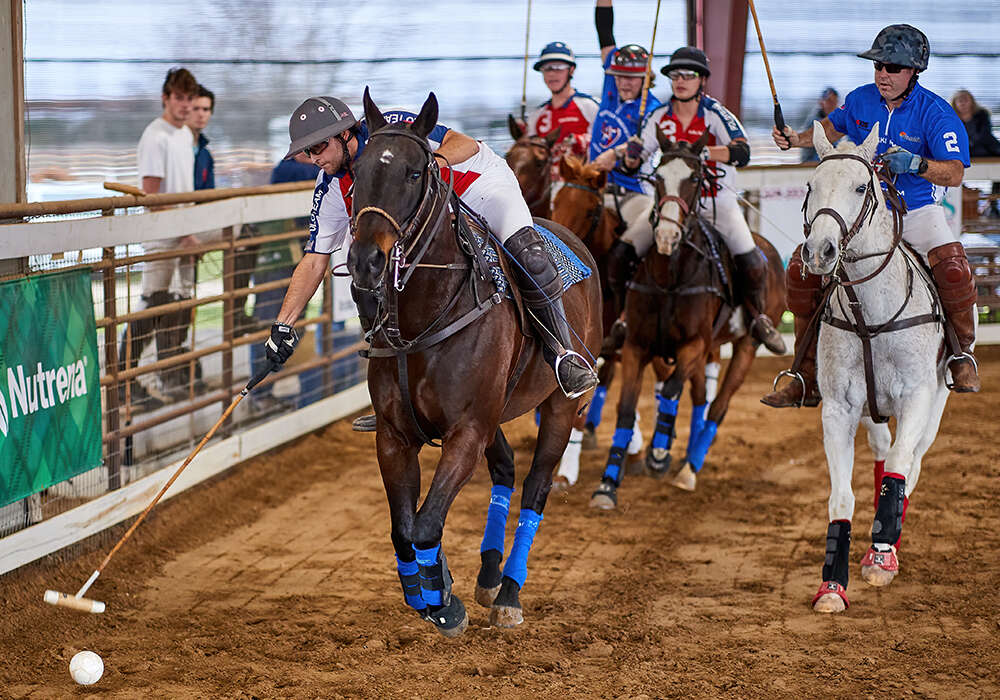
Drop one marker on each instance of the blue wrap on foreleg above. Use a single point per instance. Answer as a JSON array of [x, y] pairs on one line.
[[698, 450], [432, 575], [516, 567], [597, 406], [616, 455], [666, 416], [409, 578], [496, 518]]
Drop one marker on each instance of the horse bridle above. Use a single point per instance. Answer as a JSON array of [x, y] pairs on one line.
[[662, 197], [868, 209], [539, 142]]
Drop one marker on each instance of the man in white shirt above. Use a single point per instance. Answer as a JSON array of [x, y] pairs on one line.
[[165, 164]]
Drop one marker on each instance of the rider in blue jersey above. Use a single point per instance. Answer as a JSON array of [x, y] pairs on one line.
[[923, 142]]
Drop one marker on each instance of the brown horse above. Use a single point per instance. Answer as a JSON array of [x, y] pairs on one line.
[[450, 361], [531, 160], [682, 305]]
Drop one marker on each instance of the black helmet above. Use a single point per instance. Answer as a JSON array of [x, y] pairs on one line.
[[688, 58], [900, 44], [316, 119], [629, 61]]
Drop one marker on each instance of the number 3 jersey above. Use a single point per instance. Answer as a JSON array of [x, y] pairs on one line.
[[924, 124]]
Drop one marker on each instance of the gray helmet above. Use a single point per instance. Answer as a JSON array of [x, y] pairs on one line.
[[316, 119], [900, 44]]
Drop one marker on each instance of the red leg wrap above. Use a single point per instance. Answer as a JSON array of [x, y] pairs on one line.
[[879, 473]]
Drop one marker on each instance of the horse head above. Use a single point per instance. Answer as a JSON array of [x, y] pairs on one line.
[[530, 158], [392, 180], [843, 188], [579, 203], [679, 178]]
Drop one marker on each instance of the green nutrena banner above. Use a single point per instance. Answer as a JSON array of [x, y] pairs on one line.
[[50, 398]]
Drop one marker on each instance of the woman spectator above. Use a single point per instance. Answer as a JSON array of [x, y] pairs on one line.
[[982, 142]]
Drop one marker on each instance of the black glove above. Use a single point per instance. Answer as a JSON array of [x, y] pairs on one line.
[[280, 346], [633, 149]]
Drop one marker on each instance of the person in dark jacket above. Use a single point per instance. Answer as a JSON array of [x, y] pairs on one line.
[[976, 119]]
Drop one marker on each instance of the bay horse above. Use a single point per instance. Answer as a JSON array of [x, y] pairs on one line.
[[878, 355], [449, 361], [530, 157], [681, 306]]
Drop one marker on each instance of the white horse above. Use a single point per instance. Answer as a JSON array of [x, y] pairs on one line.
[[902, 314]]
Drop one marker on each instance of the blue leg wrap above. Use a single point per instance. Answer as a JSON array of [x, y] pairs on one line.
[[698, 450], [432, 575], [409, 578], [697, 423], [496, 519], [665, 419], [616, 455], [538, 416], [517, 563], [596, 406]]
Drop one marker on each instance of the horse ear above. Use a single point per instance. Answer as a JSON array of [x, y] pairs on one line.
[[516, 128], [702, 141], [870, 144], [427, 119], [373, 115], [567, 169], [662, 139], [553, 136], [820, 142], [599, 180]]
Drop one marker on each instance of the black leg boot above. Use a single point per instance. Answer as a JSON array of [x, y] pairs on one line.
[[541, 289], [752, 269]]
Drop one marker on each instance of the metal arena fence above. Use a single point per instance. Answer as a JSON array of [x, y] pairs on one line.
[[166, 372]]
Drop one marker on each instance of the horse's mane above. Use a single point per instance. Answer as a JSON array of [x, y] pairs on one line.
[[580, 169]]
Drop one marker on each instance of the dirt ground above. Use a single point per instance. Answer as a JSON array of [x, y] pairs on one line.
[[278, 581]]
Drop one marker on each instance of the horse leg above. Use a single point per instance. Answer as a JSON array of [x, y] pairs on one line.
[[926, 440], [569, 464], [840, 424], [658, 455], [459, 456], [557, 420], [690, 365], [401, 478], [500, 461], [606, 495], [880, 564], [606, 375]]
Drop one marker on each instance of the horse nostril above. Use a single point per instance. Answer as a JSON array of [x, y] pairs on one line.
[[829, 251]]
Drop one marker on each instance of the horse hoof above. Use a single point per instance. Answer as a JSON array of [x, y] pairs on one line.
[[657, 462], [451, 619], [685, 478], [506, 616], [486, 596], [879, 568], [560, 484], [829, 603], [605, 497], [589, 441]]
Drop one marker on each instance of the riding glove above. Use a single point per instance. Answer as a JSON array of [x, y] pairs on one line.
[[633, 149], [280, 346], [901, 161]]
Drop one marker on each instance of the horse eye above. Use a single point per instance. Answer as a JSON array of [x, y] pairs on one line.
[[861, 189], [414, 174], [693, 177]]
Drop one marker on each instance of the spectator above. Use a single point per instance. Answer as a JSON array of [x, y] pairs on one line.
[[202, 110], [976, 119], [828, 101], [165, 164]]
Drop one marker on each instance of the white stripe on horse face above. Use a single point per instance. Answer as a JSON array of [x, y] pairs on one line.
[[668, 233], [386, 156]]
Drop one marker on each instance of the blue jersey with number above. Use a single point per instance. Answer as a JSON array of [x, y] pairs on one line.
[[924, 124], [616, 121]]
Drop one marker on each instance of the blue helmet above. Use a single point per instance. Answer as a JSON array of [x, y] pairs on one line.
[[555, 51]]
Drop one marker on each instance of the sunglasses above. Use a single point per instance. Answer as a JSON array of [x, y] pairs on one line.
[[554, 67], [682, 75], [316, 148], [888, 67]]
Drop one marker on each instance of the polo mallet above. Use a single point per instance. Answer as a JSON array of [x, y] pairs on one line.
[[649, 67], [779, 119], [78, 602], [524, 79]]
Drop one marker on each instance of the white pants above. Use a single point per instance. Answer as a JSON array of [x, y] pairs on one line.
[[158, 275], [634, 208], [926, 228], [493, 192], [724, 213]]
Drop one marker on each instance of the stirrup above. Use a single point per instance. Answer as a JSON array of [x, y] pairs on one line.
[[580, 392], [793, 375], [960, 357]]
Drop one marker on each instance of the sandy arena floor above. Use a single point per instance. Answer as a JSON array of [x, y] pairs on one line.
[[278, 581]]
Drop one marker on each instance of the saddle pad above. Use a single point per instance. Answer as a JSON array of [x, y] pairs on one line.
[[571, 268]]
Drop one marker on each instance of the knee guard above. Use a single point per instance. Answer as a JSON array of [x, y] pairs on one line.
[[953, 277], [803, 287], [888, 525], [536, 273], [838, 548]]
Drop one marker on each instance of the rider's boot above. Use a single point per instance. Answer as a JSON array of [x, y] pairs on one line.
[[804, 291], [541, 289], [623, 260], [367, 304], [957, 290], [752, 267]]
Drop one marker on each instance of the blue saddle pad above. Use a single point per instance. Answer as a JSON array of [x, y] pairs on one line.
[[571, 268]]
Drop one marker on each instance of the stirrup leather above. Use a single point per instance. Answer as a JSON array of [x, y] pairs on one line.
[[580, 392]]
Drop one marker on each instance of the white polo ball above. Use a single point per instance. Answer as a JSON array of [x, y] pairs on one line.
[[86, 668]]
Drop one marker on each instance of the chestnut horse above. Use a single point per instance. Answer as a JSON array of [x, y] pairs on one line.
[[449, 361], [531, 160], [682, 306]]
